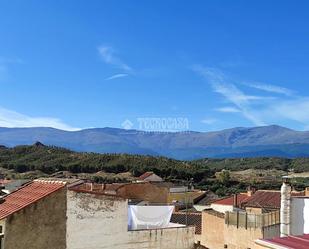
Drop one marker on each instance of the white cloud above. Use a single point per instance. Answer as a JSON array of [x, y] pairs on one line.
[[229, 109], [271, 88], [221, 85], [11, 119], [209, 121], [260, 110], [117, 76], [107, 53]]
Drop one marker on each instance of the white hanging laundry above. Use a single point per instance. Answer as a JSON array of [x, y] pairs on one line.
[[149, 217]]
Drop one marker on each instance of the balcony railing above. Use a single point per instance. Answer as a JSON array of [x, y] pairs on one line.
[[248, 220]]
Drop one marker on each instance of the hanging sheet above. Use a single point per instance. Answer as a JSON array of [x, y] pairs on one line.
[[149, 217]]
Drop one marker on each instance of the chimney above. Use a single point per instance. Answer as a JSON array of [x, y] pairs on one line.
[[235, 201], [285, 215]]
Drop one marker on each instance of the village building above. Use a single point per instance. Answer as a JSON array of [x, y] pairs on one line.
[[34, 216], [136, 192], [237, 230], [74, 216], [294, 221], [231, 203], [150, 176], [264, 201]]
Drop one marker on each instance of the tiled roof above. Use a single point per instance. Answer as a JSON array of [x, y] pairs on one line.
[[230, 200], [266, 199], [27, 195], [208, 198], [291, 242], [145, 175], [189, 219]]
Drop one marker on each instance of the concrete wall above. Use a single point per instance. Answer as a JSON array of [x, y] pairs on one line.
[[101, 221], [169, 238], [144, 191], [96, 221], [253, 210], [299, 216], [215, 233], [40, 225], [212, 230]]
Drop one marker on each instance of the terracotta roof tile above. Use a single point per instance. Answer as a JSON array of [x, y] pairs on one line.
[[27, 195], [291, 242], [145, 175], [266, 199], [230, 200]]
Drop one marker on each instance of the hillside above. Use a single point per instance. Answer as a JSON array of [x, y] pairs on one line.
[[50, 159], [40, 160], [269, 141]]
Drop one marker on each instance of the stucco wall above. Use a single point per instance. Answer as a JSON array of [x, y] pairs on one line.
[[212, 230], [169, 238], [96, 221], [241, 238], [100, 221], [299, 216], [40, 225], [144, 191], [215, 233], [253, 210]]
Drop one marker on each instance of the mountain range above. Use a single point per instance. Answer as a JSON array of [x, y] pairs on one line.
[[262, 141]]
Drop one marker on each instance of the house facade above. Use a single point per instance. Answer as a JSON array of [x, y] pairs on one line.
[[54, 215]]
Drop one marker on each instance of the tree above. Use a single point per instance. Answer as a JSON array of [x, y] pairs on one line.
[[224, 176]]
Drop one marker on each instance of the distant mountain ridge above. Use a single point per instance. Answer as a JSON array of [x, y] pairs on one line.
[[236, 142]]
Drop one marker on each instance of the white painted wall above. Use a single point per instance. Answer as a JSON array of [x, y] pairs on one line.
[[175, 238], [96, 221], [299, 216], [222, 208], [101, 222], [179, 189]]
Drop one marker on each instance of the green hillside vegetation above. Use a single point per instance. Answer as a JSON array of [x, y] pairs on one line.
[[50, 159], [24, 160]]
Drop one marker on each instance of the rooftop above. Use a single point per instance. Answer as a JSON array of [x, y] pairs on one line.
[[27, 195], [290, 242], [266, 199], [230, 200], [146, 175]]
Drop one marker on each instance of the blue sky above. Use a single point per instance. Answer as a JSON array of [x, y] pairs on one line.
[[220, 64]]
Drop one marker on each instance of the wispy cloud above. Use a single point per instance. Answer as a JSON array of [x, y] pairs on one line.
[[283, 106], [9, 118], [221, 85], [117, 76], [109, 56], [209, 121], [228, 109], [271, 88]]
